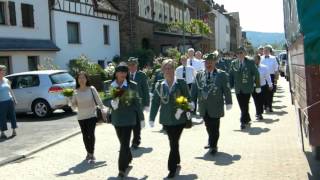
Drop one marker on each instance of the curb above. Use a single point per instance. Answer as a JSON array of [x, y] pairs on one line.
[[39, 148]]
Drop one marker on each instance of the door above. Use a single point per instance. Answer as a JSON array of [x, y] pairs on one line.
[[25, 88]]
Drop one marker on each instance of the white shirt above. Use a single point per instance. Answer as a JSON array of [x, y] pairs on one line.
[[133, 74], [264, 75], [114, 84], [271, 63], [198, 65], [190, 73], [166, 83]]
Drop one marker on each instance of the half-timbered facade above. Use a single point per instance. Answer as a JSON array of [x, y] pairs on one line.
[[85, 27], [25, 34]]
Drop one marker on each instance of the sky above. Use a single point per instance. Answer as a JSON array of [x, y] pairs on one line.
[[257, 15]]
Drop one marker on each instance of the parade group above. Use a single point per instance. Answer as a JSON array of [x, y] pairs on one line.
[[200, 87]]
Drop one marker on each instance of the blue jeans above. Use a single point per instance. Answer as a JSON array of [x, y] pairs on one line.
[[7, 112]]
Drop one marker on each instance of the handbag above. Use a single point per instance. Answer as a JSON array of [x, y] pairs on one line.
[[100, 118]]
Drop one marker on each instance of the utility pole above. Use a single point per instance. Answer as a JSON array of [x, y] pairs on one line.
[[183, 28]]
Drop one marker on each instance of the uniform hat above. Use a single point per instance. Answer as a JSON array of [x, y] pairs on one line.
[[122, 67], [211, 56], [133, 60]]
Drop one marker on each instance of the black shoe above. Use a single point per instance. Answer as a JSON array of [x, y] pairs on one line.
[[270, 110], [171, 174], [243, 126], [207, 147], [135, 146], [260, 117], [121, 174], [214, 151]]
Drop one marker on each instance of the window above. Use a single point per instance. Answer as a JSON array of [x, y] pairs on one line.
[[106, 34], [5, 60], [25, 81], [12, 12], [2, 13], [33, 62], [27, 15], [73, 33], [60, 78]]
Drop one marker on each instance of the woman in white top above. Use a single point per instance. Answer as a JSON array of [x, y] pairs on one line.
[[87, 118]]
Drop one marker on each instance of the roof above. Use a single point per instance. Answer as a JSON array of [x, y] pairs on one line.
[[105, 6], [38, 72], [15, 44]]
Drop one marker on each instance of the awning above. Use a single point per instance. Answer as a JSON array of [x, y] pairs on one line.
[[13, 44]]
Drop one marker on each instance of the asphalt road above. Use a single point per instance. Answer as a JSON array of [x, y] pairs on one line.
[[33, 132]]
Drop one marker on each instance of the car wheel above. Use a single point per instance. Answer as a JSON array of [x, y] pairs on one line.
[[67, 109], [41, 108]]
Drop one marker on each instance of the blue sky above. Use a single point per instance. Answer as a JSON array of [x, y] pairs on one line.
[[257, 15]]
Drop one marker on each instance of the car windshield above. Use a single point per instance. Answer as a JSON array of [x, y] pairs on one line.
[[61, 78]]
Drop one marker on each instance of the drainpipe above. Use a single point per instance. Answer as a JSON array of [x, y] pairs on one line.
[[50, 21], [131, 27]]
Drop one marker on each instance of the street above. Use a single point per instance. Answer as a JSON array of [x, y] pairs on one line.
[[270, 149], [34, 132]]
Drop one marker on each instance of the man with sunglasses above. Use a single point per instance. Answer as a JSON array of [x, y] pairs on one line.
[[244, 74]]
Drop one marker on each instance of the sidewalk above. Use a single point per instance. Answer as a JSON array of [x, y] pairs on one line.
[[269, 150]]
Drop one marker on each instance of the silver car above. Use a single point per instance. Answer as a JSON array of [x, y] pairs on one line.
[[41, 91]]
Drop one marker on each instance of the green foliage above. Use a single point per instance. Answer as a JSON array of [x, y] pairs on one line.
[[110, 69], [195, 26], [67, 92], [173, 53], [82, 63]]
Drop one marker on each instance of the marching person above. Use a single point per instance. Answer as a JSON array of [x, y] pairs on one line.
[[193, 61], [7, 105], [244, 74], [126, 109], [260, 50], [272, 64], [143, 90], [198, 56], [174, 120], [84, 99], [212, 89], [185, 71], [266, 87]]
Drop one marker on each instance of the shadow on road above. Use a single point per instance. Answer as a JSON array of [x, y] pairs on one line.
[[54, 116], [6, 139], [221, 158], [279, 107], [254, 130], [314, 167], [82, 167], [140, 151], [279, 113], [268, 121]]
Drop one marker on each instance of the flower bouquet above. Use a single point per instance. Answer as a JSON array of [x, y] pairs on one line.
[[68, 93], [124, 96], [183, 105]]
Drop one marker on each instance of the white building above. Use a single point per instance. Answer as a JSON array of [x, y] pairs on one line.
[[25, 34], [222, 32], [84, 27]]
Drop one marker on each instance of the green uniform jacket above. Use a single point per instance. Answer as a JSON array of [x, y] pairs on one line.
[[126, 115], [224, 65], [218, 93], [143, 88], [167, 111], [243, 79]]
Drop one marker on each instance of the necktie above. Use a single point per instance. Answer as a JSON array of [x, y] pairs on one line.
[[208, 78], [131, 77], [184, 73], [190, 62]]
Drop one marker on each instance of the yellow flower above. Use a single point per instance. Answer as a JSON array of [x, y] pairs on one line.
[[179, 100], [185, 100]]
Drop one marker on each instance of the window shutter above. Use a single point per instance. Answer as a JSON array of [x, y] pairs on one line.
[[12, 11], [27, 15], [31, 16]]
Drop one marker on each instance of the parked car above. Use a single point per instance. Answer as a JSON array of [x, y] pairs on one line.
[[283, 63], [41, 91]]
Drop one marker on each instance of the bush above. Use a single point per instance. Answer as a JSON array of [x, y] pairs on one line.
[[82, 63], [173, 53]]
